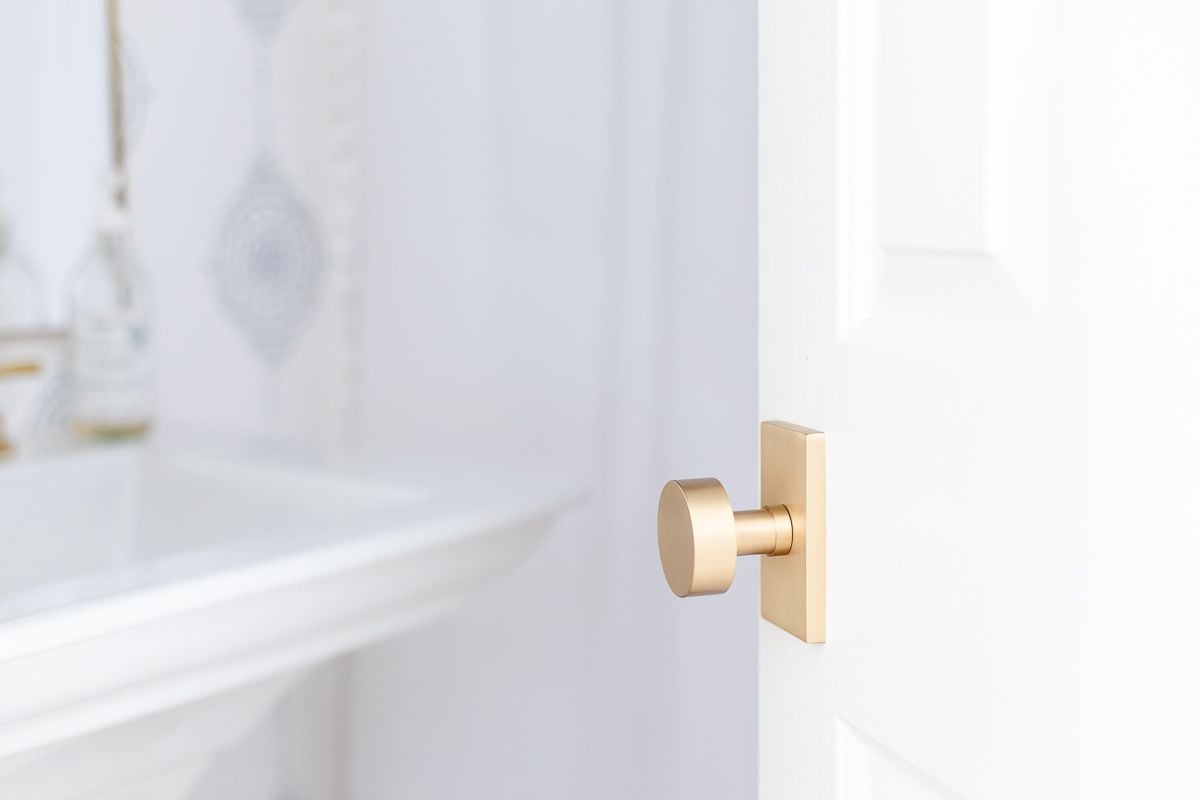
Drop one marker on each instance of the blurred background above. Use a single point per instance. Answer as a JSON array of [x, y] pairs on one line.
[[515, 232]]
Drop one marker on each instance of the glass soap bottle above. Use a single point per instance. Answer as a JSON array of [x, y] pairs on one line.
[[111, 363]]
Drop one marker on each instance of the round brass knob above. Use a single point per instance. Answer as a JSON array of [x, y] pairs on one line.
[[700, 536]]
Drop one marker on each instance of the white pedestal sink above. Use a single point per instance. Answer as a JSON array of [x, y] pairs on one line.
[[157, 598]]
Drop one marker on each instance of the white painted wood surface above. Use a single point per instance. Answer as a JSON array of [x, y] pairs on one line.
[[978, 273]]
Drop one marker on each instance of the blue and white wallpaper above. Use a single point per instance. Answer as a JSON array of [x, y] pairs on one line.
[[242, 200], [269, 262]]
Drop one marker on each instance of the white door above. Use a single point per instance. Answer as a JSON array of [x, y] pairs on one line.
[[980, 274]]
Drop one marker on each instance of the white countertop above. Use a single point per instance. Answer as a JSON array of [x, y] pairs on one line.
[[124, 567]]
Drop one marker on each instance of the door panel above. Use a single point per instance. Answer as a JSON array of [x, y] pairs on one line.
[[866, 770], [929, 102], [975, 275]]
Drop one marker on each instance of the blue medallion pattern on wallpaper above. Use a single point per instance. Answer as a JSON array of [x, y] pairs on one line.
[[265, 17], [268, 264], [269, 259]]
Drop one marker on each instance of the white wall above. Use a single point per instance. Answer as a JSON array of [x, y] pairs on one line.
[[561, 272], [558, 270]]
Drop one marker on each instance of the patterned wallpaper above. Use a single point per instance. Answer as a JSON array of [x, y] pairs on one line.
[[243, 180], [243, 124], [269, 260]]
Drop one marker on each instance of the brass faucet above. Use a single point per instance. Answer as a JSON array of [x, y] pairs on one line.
[[13, 370]]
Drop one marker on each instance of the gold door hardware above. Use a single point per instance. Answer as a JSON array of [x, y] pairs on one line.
[[700, 536]]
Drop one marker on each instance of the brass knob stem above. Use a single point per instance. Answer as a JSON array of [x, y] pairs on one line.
[[763, 532]]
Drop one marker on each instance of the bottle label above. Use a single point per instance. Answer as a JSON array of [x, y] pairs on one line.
[[111, 371]]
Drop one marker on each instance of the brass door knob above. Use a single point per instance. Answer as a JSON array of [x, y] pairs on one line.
[[700, 536]]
